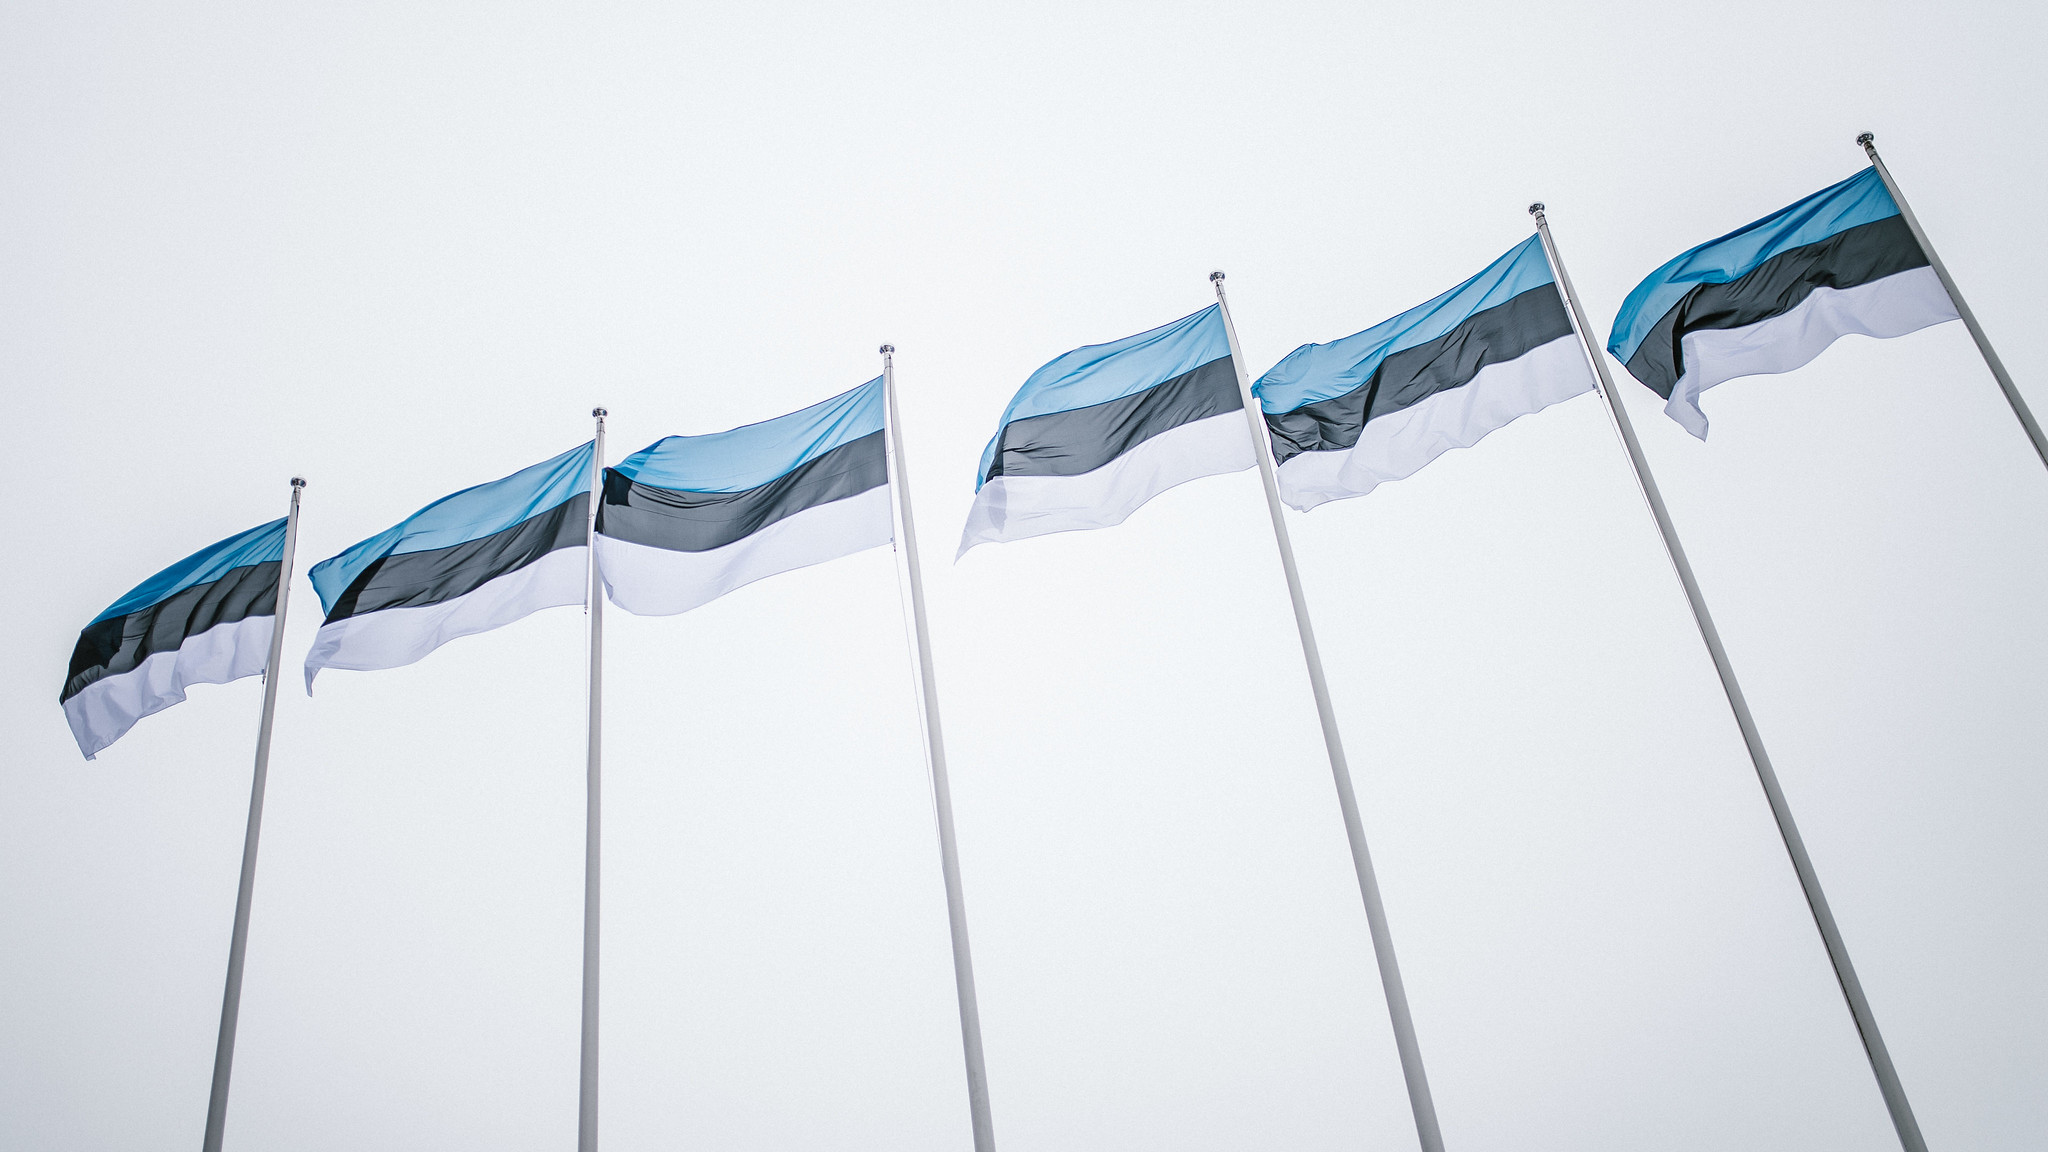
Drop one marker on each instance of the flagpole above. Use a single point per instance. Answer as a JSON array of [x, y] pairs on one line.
[[1419, 1099], [942, 790], [1955, 295], [238, 942], [1809, 881], [593, 809]]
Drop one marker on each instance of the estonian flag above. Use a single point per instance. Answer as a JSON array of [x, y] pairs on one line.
[[205, 620], [689, 518], [1099, 431], [1773, 295], [466, 563], [1351, 414]]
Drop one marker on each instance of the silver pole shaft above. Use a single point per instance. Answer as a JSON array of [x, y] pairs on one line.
[[593, 809], [1809, 882], [1419, 1099], [238, 943], [942, 790], [1955, 295]]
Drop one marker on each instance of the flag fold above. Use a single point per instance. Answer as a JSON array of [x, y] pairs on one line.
[[1772, 295]]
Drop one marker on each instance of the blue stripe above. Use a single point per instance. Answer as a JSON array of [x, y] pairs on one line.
[[256, 546], [1100, 373], [1861, 199], [470, 514], [1315, 372], [754, 454]]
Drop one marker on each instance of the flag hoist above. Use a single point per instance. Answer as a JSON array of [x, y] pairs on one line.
[[690, 518], [212, 618], [1888, 1083], [1419, 1098]]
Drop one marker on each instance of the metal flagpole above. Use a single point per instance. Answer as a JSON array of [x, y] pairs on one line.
[[238, 943], [1809, 882], [942, 790], [1955, 295], [593, 809], [1419, 1099]]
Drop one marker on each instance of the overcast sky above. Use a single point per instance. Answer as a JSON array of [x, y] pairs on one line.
[[403, 248]]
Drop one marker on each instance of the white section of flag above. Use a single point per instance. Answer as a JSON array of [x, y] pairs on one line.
[[1016, 507], [1397, 445], [395, 637], [111, 705], [1893, 306], [650, 581]]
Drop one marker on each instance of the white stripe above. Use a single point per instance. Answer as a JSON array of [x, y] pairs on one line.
[[1015, 507], [1397, 445], [650, 581], [395, 637], [1900, 303], [111, 705]]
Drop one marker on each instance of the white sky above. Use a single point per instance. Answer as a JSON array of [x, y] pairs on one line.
[[404, 248]]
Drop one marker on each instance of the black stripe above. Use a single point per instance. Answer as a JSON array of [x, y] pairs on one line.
[[121, 643], [1850, 257], [1504, 332], [701, 521], [411, 579], [1084, 439]]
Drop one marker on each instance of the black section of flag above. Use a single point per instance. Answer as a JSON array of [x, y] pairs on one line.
[[1083, 439], [1853, 256], [120, 644], [700, 521], [412, 579], [1504, 332]]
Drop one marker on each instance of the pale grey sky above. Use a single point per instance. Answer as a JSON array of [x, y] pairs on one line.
[[404, 248]]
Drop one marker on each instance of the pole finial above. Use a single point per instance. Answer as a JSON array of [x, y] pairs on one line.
[[1866, 140], [1216, 276], [1536, 209], [298, 481], [887, 349], [599, 413]]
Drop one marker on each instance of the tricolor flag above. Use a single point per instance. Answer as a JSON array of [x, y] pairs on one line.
[[1099, 431], [466, 563], [205, 620], [1352, 414], [689, 518], [1772, 295]]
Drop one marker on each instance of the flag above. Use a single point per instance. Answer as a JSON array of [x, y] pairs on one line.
[[1097, 432], [205, 620], [1376, 406], [466, 563], [1772, 295], [689, 518]]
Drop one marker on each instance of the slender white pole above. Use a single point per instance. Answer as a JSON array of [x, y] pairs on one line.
[[942, 790], [238, 942], [593, 808], [1419, 1099], [1809, 881], [1955, 295]]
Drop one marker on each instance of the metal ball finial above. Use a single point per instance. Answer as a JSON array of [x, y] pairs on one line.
[[1866, 140], [599, 413], [1536, 209], [298, 481], [1216, 276], [887, 349]]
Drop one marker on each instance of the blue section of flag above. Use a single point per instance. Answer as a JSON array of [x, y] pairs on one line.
[[1316, 372], [1100, 373], [750, 456], [256, 546], [1861, 199], [470, 514]]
